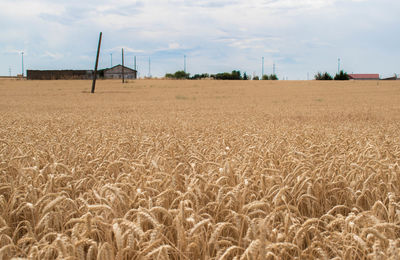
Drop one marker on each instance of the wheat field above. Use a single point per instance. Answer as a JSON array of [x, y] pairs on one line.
[[159, 169]]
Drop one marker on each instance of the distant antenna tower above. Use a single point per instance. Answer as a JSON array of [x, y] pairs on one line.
[[184, 63], [262, 67]]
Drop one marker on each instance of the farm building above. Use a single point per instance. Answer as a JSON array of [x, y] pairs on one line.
[[59, 74], [392, 78], [364, 76], [116, 73]]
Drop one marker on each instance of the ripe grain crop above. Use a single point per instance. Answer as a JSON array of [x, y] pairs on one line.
[[237, 170]]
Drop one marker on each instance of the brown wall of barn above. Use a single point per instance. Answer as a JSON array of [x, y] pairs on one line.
[[59, 74]]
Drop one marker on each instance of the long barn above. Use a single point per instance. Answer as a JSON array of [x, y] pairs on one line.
[[58, 74], [109, 73], [364, 76]]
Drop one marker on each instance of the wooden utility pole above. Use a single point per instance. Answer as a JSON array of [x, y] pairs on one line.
[[97, 63], [123, 76]]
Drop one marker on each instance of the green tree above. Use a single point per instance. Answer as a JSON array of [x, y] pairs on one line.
[[178, 75], [323, 76], [256, 78], [235, 75], [273, 77], [342, 76], [181, 75], [265, 77]]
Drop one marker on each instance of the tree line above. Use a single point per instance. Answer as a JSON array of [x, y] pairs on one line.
[[326, 76], [234, 75]]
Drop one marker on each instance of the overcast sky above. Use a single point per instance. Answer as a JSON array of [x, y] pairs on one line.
[[300, 36]]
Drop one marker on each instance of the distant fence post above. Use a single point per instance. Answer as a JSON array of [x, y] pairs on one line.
[[97, 62]]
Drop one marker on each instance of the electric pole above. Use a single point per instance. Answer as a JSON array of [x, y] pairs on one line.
[[338, 70], [111, 59], [22, 64], [262, 67], [149, 68], [273, 69], [9, 70], [96, 64], [184, 63], [123, 76]]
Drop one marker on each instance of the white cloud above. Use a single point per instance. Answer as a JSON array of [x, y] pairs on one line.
[[302, 35]]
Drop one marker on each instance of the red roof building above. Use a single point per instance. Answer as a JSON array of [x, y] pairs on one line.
[[364, 76]]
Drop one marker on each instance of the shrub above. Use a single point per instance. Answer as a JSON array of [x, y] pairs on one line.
[[342, 76], [256, 78], [323, 76], [235, 75], [265, 77], [273, 77], [200, 76], [178, 75]]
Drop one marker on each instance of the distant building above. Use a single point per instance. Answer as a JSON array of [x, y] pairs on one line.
[[58, 74], [116, 73], [364, 76], [392, 78], [109, 73]]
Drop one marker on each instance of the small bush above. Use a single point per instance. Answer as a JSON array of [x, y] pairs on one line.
[[323, 76], [256, 78], [265, 77], [200, 76], [178, 75], [273, 77], [342, 76], [235, 75]]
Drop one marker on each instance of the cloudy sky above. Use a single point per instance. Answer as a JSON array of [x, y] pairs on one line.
[[300, 36]]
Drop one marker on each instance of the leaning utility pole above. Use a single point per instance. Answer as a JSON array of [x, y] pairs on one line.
[[97, 63], [123, 76]]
